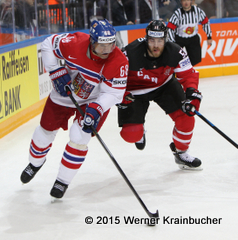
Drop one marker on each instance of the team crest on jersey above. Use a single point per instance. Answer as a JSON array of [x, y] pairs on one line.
[[167, 72], [81, 87], [189, 30]]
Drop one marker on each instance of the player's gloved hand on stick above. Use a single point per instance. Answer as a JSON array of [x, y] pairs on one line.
[[92, 116], [128, 98], [60, 79], [192, 102]]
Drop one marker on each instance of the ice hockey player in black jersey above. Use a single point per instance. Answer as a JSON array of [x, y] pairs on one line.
[[153, 64]]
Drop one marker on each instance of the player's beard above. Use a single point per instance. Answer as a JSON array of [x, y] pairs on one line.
[[155, 52]]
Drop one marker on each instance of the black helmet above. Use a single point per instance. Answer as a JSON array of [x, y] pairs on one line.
[[156, 28]]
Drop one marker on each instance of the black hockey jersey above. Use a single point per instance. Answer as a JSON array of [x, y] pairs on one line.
[[147, 73]]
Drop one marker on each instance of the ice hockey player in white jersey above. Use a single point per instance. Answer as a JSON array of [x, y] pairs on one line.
[[96, 71]]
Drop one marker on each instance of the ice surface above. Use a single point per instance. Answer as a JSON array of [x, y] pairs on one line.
[[98, 190]]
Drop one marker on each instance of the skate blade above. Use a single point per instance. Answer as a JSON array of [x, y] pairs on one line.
[[185, 167]]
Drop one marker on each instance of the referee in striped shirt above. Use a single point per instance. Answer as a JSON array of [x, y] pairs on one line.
[[183, 29]]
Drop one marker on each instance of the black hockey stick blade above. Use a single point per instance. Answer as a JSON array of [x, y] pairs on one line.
[[154, 215], [216, 129], [151, 215]]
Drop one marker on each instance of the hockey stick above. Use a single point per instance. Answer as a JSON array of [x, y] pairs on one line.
[[215, 128], [151, 215]]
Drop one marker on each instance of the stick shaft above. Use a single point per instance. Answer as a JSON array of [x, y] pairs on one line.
[[216, 129], [113, 159]]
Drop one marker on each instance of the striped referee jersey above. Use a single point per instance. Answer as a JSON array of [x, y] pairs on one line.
[[185, 23]]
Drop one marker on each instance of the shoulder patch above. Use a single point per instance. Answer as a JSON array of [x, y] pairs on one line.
[[185, 62], [57, 39]]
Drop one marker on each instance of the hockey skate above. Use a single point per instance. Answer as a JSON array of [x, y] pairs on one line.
[[141, 144], [58, 190], [184, 160], [29, 172]]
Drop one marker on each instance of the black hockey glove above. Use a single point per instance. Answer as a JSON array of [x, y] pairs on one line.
[[92, 117], [60, 79], [192, 102], [128, 98]]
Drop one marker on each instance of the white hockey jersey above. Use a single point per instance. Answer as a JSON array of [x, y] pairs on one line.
[[94, 80]]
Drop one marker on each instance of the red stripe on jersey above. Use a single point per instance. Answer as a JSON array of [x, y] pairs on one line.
[[171, 25], [58, 56], [70, 165], [151, 78], [72, 68], [204, 21], [88, 77], [53, 38], [189, 78], [119, 88], [108, 83], [55, 53]]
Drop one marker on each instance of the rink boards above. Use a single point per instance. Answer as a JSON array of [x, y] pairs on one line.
[[24, 83]]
